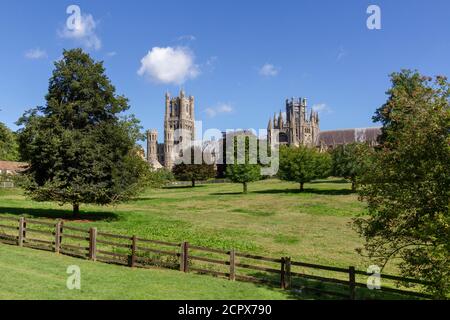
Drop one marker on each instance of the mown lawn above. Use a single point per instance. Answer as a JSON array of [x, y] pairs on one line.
[[35, 274], [274, 219]]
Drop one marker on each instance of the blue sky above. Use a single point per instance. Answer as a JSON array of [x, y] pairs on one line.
[[240, 59]]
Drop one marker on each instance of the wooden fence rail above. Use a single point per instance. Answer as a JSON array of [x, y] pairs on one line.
[[135, 251]]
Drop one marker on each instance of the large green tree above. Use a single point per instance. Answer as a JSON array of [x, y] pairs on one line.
[[9, 150], [79, 147], [244, 166], [407, 187], [160, 178], [303, 164], [192, 171], [349, 161]]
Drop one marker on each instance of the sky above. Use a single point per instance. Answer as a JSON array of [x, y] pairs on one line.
[[240, 59]]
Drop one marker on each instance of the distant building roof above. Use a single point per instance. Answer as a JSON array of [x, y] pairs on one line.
[[345, 136], [238, 133], [12, 166]]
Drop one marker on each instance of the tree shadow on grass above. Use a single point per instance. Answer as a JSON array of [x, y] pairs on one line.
[[226, 193], [60, 214], [153, 198], [337, 181], [308, 289], [334, 192], [184, 187], [300, 290]]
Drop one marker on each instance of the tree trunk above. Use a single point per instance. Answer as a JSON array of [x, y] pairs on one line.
[[76, 209], [193, 183], [245, 187], [301, 186], [353, 184]]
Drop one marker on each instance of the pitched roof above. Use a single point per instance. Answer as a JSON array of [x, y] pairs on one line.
[[345, 136], [13, 165]]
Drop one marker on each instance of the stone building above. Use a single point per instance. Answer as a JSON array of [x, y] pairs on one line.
[[300, 126], [179, 128], [330, 139], [296, 126], [12, 167], [9, 169]]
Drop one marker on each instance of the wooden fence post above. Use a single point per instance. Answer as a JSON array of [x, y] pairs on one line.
[[93, 244], [21, 231], [133, 252], [58, 236], [352, 281], [61, 230], [282, 273], [232, 265], [288, 281], [184, 257], [24, 229]]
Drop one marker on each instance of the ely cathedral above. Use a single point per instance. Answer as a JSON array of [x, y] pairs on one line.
[[297, 126], [179, 127], [300, 126]]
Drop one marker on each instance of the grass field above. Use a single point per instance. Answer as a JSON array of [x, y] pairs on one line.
[[274, 219], [34, 274]]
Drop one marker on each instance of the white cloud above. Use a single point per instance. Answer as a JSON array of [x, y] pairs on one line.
[[211, 60], [268, 70], [341, 53], [225, 108], [111, 54], [169, 65], [188, 37], [83, 32], [322, 108], [35, 54], [210, 112], [210, 64], [221, 108]]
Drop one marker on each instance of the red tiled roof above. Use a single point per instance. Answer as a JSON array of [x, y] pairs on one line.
[[13, 165]]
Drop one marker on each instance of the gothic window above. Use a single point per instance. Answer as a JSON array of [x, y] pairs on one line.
[[283, 137]]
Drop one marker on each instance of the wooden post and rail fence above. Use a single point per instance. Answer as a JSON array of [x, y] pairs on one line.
[[133, 251]]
